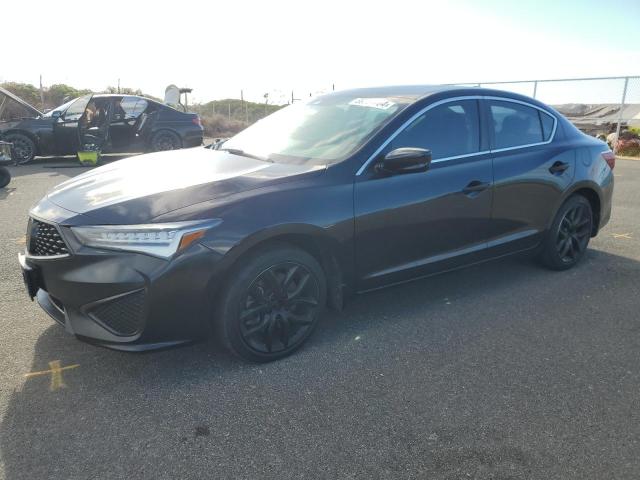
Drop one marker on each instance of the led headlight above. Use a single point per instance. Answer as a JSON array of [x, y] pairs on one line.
[[157, 239]]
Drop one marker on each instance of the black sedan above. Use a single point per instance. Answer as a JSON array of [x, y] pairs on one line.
[[116, 123], [341, 194]]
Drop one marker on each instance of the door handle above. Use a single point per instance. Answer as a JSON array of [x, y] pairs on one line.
[[558, 167], [475, 187]]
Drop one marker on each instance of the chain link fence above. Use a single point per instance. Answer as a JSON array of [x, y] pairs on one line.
[[607, 107]]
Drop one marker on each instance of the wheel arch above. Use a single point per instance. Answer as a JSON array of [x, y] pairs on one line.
[[591, 191], [312, 239], [34, 138]]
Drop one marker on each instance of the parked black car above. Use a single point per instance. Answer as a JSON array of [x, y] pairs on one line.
[[345, 193], [118, 123]]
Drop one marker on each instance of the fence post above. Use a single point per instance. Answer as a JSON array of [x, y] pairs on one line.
[[535, 88], [624, 97]]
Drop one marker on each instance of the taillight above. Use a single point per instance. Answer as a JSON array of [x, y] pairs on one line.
[[196, 121], [610, 158]]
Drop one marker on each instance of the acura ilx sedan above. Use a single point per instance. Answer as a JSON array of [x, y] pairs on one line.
[[344, 193]]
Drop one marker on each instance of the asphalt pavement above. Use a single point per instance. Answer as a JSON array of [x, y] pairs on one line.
[[499, 371]]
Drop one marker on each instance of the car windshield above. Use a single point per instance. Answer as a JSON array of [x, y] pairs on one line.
[[320, 131], [61, 108]]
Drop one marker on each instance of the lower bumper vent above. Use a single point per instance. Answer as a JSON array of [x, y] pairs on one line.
[[123, 315]]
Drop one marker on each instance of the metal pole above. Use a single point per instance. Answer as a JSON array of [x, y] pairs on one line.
[[42, 95], [535, 88], [624, 97]]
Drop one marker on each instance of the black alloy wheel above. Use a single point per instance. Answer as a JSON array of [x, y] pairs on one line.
[[279, 308], [573, 233], [165, 140], [271, 304], [569, 235]]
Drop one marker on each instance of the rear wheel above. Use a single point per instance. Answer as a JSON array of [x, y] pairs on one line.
[[165, 140], [272, 303], [568, 237], [23, 148]]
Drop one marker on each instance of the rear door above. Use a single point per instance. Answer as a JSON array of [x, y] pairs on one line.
[[414, 224], [66, 129], [125, 123], [531, 168]]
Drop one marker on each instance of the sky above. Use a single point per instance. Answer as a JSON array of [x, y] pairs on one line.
[[221, 47]]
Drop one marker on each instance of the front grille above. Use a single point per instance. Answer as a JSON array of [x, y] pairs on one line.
[[44, 239], [122, 315]]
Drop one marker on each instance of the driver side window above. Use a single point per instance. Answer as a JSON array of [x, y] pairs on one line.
[[448, 130], [76, 109]]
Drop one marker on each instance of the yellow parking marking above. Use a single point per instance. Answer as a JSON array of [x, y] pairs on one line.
[[56, 374], [622, 235], [21, 241]]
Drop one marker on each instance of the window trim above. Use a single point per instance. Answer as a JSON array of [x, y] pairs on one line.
[[544, 142], [467, 155]]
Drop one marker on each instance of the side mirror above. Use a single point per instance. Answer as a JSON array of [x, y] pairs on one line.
[[56, 114], [405, 160]]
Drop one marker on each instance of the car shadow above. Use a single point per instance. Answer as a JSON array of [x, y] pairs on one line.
[[114, 408]]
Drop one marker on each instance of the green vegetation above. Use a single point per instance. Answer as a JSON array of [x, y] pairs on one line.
[[223, 118], [220, 118]]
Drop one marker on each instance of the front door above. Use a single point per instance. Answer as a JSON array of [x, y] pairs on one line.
[[414, 224], [66, 128]]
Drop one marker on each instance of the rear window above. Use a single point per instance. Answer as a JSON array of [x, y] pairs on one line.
[[516, 125]]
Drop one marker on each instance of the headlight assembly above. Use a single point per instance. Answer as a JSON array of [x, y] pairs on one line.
[[157, 239]]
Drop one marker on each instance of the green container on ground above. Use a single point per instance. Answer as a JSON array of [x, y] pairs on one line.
[[89, 157]]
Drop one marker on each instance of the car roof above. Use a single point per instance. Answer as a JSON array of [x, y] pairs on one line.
[[414, 93]]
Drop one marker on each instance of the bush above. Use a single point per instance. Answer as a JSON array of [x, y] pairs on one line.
[[220, 126], [629, 148]]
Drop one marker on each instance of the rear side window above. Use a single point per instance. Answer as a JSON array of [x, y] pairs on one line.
[[516, 125], [133, 106], [448, 130]]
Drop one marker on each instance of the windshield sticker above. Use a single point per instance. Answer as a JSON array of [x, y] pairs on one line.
[[379, 103]]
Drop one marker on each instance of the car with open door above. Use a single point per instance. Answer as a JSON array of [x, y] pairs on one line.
[[341, 194], [123, 123]]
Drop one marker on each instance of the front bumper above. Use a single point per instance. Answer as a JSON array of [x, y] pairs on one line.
[[126, 301]]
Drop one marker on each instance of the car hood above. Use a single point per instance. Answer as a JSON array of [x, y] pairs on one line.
[[28, 110], [138, 189]]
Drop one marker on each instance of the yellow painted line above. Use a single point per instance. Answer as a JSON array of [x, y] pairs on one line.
[[56, 374], [622, 235], [21, 241]]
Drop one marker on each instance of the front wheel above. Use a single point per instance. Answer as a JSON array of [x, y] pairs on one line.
[[272, 303], [23, 148], [568, 237]]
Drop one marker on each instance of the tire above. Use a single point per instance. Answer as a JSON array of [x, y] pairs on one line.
[[5, 177], [23, 149], [567, 239], [165, 140], [272, 303]]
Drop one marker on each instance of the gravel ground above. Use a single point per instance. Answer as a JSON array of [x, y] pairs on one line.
[[499, 371]]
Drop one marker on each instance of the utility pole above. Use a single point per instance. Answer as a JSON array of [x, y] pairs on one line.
[[41, 94], [246, 107], [118, 85], [621, 114]]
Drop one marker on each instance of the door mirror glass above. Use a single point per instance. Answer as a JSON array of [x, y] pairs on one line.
[[405, 160], [56, 114]]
